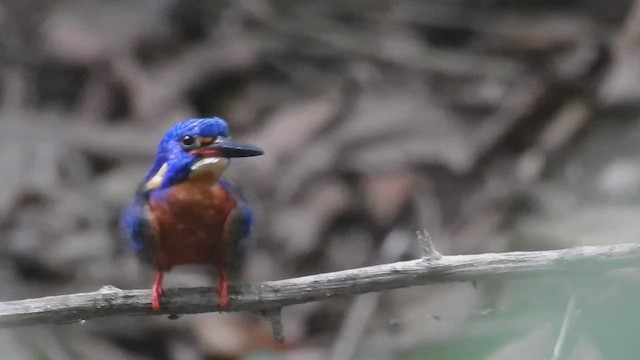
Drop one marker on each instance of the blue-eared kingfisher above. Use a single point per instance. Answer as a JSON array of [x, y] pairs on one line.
[[183, 212]]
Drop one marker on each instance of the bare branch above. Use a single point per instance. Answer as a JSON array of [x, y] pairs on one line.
[[271, 295]]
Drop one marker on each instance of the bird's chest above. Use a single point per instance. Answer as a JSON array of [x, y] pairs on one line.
[[190, 223]]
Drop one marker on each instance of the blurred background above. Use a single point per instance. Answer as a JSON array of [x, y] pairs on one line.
[[498, 125]]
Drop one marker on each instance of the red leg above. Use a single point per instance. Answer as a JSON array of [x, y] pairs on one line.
[[156, 291], [222, 288]]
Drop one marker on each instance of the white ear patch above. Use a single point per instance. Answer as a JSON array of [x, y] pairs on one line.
[[156, 180]]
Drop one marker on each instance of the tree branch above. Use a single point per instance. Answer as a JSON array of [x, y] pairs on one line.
[[273, 295]]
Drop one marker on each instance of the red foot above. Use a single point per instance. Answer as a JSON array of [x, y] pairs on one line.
[[156, 291], [222, 288]]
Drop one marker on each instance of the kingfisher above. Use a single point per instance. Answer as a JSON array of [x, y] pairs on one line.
[[183, 212]]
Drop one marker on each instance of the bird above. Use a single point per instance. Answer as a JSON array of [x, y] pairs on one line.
[[184, 212]]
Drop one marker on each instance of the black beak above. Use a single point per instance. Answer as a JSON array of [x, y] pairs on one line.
[[234, 149]]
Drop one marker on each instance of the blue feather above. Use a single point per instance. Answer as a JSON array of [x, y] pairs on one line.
[[170, 152], [240, 231], [134, 223]]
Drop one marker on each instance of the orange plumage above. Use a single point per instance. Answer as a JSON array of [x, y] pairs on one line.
[[190, 224]]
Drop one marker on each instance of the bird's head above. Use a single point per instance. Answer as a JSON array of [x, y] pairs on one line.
[[194, 148]]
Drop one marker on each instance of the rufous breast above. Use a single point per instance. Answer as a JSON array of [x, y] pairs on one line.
[[189, 222]]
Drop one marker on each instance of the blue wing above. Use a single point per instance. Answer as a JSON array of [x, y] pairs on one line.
[[136, 226], [237, 229]]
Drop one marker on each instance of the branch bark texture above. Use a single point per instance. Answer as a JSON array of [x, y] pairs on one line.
[[273, 295]]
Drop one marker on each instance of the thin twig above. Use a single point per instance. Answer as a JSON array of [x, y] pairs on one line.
[[579, 261], [363, 307], [559, 348], [274, 316], [568, 121]]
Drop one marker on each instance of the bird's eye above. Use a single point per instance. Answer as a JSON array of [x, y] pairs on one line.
[[189, 142]]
